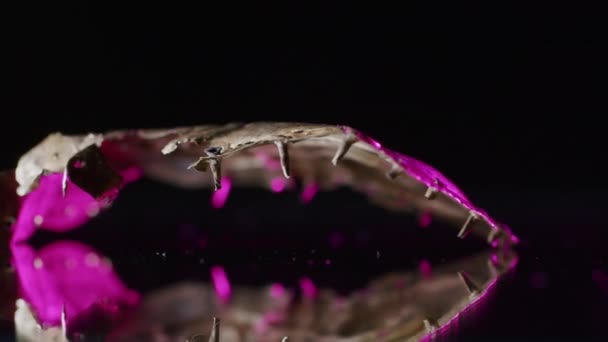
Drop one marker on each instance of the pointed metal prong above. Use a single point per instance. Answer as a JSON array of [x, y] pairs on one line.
[[466, 227], [471, 286], [64, 328], [430, 193], [348, 140], [285, 339], [284, 157], [430, 325], [215, 330], [216, 173]]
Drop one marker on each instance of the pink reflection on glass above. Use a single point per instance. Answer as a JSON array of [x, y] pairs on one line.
[[309, 290], [278, 184], [277, 290], [221, 283], [219, 197], [71, 274], [453, 322], [425, 268], [309, 192], [425, 219]]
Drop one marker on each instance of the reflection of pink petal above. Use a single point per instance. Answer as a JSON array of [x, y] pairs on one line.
[[425, 219], [309, 193], [219, 197], [309, 290], [425, 268], [67, 273], [221, 283], [277, 184]]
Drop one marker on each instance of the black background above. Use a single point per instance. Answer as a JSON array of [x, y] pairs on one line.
[[503, 98]]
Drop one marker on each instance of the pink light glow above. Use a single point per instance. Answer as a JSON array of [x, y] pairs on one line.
[[219, 197], [131, 174], [221, 283], [309, 193], [425, 219], [278, 184], [309, 290], [277, 290], [68, 273], [425, 268]]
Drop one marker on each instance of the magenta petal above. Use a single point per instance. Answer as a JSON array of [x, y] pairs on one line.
[[67, 273], [47, 208]]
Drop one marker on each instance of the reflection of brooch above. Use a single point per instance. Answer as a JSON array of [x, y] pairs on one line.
[[66, 180]]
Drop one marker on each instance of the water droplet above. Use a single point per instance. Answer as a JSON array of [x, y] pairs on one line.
[[70, 211], [38, 220], [91, 260], [38, 264]]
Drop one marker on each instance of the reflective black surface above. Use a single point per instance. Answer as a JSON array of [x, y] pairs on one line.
[[501, 98]]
